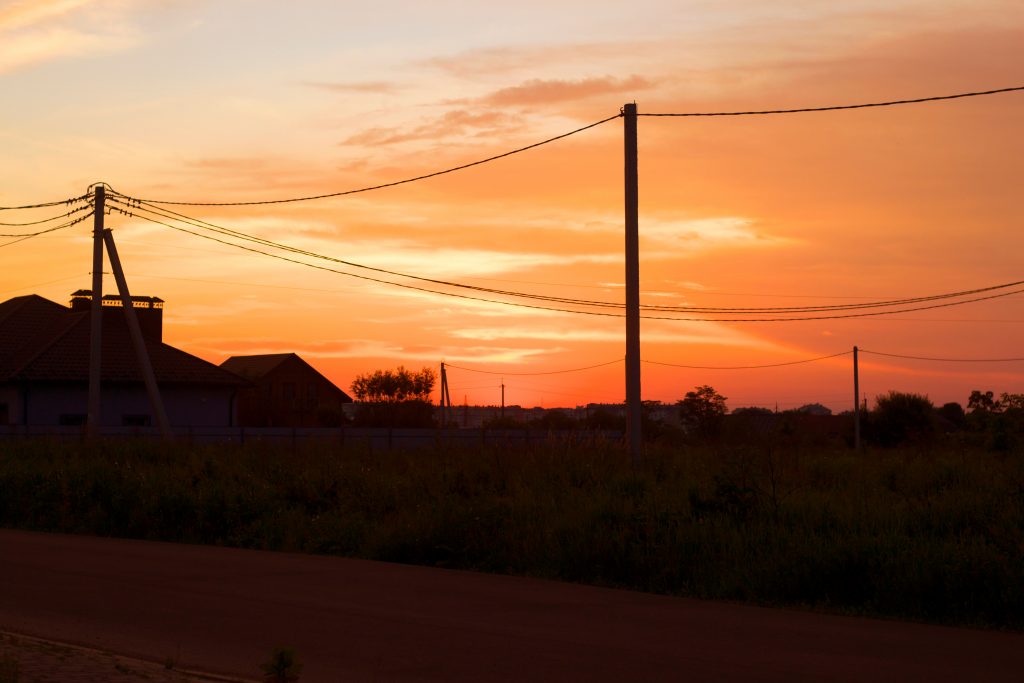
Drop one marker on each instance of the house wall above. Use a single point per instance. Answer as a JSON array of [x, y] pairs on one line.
[[10, 404], [291, 395], [194, 406]]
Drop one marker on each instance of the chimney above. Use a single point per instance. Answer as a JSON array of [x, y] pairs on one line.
[[149, 310]]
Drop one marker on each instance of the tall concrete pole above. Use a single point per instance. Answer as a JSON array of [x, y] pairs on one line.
[[96, 314], [634, 434], [156, 403]]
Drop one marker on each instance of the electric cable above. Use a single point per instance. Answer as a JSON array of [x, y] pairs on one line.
[[943, 360], [534, 374], [53, 218], [890, 103], [22, 238], [383, 185], [563, 310], [746, 367], [43, 205], [167, 213], [44, 220]]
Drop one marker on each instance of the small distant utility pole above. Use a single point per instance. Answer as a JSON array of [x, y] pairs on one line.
[[634, 434], [856, 401], [92, 419], [503, 399]]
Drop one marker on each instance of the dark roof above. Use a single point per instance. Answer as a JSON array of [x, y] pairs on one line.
[[255, 368], [46, 342]]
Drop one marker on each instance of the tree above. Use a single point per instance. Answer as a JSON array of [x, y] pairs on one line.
[[814, 409], [982, 402], [395, 386], [395, 398], [702, 411], [900, 418]]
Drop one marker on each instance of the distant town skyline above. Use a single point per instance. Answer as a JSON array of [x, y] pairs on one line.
[[240, 101]]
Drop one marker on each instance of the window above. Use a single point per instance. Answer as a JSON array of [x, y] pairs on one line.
[[136, 421]]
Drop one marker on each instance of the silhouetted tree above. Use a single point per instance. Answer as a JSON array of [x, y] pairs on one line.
[[394, 398], [953, 414], [702, 411], [901, 418], [814, 409]]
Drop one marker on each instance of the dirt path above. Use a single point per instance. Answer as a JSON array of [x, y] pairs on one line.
[[222, 610]]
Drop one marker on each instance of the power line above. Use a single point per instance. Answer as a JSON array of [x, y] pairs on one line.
[[554, 308], [53, 218], [944, 360], [69, 201], [890, 103], [44, 220], [23, 237], [747, 367], [534, 374], [173, 215], [384, 185]]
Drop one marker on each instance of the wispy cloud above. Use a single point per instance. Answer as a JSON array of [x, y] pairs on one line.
[[539, 91], [34, 31], [456, 123], [377, 87]]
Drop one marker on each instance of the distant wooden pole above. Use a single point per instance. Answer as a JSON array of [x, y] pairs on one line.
[[155, 400], [856, 401], [632, 194], [503, 399], [92, 419]]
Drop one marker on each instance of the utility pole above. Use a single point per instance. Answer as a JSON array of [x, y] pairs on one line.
[[446, 399], [634, 435], [92, 423], [156, 402], [856, 402], [503, 399]]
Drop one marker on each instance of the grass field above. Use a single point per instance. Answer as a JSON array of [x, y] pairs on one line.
[[932, 534]]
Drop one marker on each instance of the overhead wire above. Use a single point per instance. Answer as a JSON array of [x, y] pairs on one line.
[[48, 220], [23, 237], [747, 367], [942, 360], [534, 374], [381, 186], [170, 214], [44, 220], [541, 297], [839, 107], [43, 205]]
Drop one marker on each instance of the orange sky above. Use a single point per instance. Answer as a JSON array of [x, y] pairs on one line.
[[236, 101]]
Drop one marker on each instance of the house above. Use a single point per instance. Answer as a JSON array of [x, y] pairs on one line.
[[285, 391], [44, 367]]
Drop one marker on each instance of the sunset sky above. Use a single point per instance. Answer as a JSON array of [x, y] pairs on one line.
[[242, 100]]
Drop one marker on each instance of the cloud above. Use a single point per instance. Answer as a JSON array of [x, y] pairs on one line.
[[35, 31], [703, 233], [455, 123], [378, 87], [539, 91]]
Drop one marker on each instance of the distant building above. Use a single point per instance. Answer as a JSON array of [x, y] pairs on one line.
[[285, 391], [44, 367]]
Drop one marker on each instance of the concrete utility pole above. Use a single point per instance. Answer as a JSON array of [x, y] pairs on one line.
[[634, 434], [92, 420], [446, 399], [156, 403], [856, 402]]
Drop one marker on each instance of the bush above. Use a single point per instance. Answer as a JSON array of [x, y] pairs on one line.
[[901, 418]]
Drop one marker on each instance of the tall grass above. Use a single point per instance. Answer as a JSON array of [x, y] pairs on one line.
[[935, 535]]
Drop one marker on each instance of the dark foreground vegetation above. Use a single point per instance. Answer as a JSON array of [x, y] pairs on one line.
[[931, 533]]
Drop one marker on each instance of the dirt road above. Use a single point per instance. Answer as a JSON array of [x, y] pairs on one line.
[[222, 610]]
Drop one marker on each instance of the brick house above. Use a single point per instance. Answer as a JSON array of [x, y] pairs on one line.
[[285, 391]]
